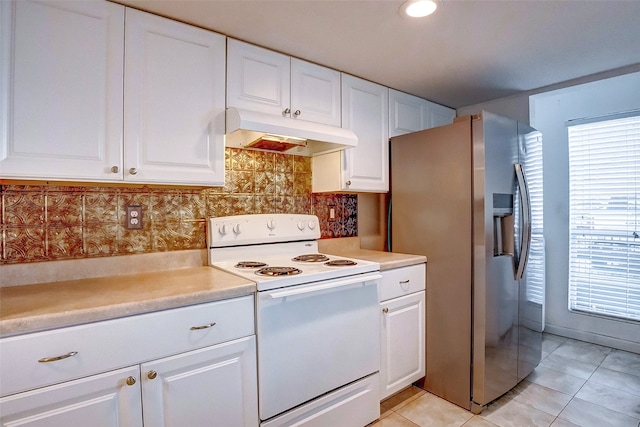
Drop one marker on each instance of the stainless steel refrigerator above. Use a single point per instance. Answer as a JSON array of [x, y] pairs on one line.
[[459, 195]]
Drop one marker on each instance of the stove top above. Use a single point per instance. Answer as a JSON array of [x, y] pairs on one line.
[[276, 250]]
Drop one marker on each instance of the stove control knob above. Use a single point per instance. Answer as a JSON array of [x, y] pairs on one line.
[[237, 229], [222, 229], [271, 224], [312, 225], [301, 225]]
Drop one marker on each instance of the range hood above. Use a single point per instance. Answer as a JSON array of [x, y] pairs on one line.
[[261, 131]]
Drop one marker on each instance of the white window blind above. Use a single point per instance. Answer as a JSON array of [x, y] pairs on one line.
[[535, 277], [604, 186]]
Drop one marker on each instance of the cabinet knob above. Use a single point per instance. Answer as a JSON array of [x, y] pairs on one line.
[[348, 182], [152, 375], [131, 380], [297, 113], [115, 169], [133, 171], [385, 310], [286, 111]]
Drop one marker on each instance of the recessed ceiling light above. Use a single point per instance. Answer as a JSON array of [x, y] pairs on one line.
[[418, 8]]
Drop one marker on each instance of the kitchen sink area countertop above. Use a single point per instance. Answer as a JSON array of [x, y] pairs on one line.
[[41, 296]]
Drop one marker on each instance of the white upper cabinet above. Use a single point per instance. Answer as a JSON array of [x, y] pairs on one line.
[[61, 97], [262, 80], [315, 93], [365, 168], [409, 113], [174, 102], [83, 104]]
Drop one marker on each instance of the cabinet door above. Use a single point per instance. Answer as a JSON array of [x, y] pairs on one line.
[[174, 102], [61, 102], [215, 384], [407, 113], [403, 342], [258, 79], [315, 93], [104, 400], [439, 115], [365, 110]]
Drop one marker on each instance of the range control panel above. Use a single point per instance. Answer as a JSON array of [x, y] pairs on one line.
[[261, 228]]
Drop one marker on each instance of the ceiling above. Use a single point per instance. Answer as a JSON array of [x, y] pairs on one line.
[[466, 53]]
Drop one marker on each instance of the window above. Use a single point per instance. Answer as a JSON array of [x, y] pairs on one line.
[[604, 186]]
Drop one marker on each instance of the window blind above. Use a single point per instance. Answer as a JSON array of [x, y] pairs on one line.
[[604, 217], [535, 277]]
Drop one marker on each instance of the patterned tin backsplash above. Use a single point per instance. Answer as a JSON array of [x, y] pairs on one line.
[[52, 222]]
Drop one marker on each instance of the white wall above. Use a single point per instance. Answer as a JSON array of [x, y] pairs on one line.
[[549, 112]]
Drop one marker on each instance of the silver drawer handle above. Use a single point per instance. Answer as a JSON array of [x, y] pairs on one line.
[[404, 282], [196, 328], [385, 310], [56, 358]]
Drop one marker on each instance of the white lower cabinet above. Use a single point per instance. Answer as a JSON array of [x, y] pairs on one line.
[[402, 359], [193, 389], [104, 400], [186, 367]]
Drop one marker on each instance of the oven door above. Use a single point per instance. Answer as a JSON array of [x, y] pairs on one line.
[[315, 338]]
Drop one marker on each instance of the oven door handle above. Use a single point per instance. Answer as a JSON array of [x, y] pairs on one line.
[[297, 290]]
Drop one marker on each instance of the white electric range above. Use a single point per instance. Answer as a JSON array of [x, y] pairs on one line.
[[317, 320]]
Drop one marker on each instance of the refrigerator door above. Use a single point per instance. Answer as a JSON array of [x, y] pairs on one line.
[[531, 303], [431, 189], [495, 289]]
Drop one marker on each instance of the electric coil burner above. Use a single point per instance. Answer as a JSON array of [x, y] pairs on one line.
[[278, 271], [341, 263], [311, 258], [317, 320], [250, 264]]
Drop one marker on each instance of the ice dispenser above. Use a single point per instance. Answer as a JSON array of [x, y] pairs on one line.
[[503, 225]]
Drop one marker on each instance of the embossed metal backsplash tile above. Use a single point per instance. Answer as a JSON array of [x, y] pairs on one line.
[[52, 222]]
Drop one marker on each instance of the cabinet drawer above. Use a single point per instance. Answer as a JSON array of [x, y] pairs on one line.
[[403, 281], [97, 347]]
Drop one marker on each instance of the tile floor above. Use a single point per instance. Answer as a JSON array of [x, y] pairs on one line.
[[576, 384]]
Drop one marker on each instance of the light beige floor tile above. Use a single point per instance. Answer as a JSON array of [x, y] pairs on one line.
[[623, 361], [569, 366], [550, 343], [582, 351], [478, 421], [611, 398], [542, 398], [618, 380], [393, 420], [555, 380], [511, 413], [559, 422], [585, 413], [402, 398], [429, 410]]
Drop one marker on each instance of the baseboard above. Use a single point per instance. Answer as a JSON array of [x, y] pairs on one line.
[[613, 342]]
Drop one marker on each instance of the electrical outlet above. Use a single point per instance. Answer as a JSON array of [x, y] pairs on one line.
[[332, 213], [134, 217]]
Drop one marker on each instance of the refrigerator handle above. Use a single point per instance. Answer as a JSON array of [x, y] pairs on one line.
[[525, 239]]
